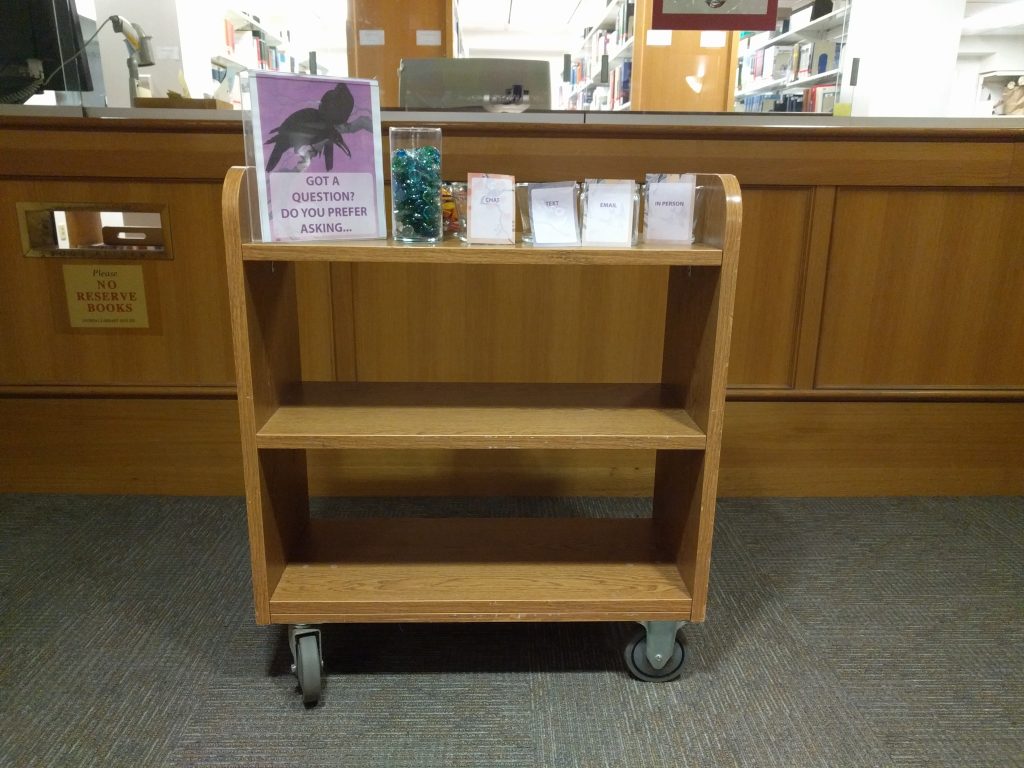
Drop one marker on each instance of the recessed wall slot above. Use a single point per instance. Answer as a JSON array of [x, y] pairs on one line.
[[76, 230]]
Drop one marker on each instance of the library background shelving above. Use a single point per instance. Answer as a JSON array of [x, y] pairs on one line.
[[653, 571], [602, 63], [754, 92], [251, 43]]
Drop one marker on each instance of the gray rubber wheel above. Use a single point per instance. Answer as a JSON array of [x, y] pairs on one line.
[[640, 668], [307, 668]]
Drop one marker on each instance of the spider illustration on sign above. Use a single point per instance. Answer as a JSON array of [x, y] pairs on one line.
[[310, 132]]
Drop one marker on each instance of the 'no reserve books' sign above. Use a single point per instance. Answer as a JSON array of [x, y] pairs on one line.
[[106, 296]]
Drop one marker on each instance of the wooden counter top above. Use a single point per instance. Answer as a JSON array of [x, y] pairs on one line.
[[646, 124]]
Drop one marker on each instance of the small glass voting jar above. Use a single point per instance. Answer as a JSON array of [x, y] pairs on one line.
[[523, 209], [453, 208], [416, 185]]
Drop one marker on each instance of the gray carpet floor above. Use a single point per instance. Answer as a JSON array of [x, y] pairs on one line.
[[884, 632]]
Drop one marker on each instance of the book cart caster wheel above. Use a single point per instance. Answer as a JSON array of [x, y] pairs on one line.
[[641, 668], [308, 668]]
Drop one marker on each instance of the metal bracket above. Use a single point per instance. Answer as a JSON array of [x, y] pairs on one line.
[[661, 641], [295, 631]]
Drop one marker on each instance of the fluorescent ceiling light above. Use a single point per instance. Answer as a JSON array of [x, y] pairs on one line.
[[1008, 15]]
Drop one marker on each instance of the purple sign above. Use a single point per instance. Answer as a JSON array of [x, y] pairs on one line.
[[316, 145]]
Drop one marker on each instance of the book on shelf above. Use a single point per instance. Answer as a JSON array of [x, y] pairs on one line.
[[819, 56], [623, 78], [782, 63], [782, 21], [229, 37], [747, 72], [315, 143], [820, 98], [806, 59], [768, 63], [624, 24]]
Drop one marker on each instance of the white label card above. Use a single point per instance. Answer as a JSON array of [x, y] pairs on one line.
[[668, 214], [608, 217], [713, 39], [553, 214], [428, 37], [491, 208], [659, 37], [371, 37]]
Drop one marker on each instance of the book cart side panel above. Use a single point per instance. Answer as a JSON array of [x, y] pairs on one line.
[[263, 317], [698, 324]]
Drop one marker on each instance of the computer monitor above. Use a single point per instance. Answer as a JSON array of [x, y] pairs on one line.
[[47, 31]]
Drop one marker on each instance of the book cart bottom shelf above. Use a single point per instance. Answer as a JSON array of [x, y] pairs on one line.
[[480, 569]]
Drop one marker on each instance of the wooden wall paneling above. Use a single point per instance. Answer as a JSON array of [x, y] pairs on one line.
[[732, 56], [665, 70], [769, 287], [778, 157], [343, 302], [659, 79], [807, 325], [175, 446], [922, 290], [558, 154], [423, 322], [641, 23], [1017, 163], [188, 342], [451, 43], [872, 449], [399, 20], [154, 149], [313, 283], [137, 149]]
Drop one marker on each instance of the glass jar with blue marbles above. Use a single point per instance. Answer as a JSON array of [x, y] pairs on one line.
[[416, 185]]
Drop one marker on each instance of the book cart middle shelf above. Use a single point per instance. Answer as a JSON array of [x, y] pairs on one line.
[[652, 570]]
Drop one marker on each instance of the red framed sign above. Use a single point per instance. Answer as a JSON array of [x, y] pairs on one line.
[[714, 14]]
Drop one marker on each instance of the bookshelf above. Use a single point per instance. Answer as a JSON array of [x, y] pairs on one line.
[[809, 31], [603, 60], [244, 22], [247, 44], [795, 69]]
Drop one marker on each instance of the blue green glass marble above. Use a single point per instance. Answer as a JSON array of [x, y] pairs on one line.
[[416, 193]]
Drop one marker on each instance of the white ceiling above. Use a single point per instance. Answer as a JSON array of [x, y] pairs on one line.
[[519, 14], [974, 7], [528, 27]]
